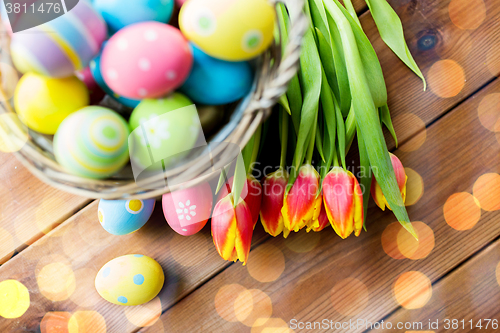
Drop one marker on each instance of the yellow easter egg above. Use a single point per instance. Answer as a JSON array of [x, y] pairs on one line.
[[42, 103], [232, 30], [130, 280]]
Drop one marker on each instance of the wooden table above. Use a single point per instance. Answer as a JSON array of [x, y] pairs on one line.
[[52, 243]]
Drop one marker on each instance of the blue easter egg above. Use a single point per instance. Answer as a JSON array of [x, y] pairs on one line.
[[215, 82], [95, 69], [122, 217], [120, 13]]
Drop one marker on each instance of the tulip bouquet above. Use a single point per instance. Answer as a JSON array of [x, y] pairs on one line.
[[338, 93]]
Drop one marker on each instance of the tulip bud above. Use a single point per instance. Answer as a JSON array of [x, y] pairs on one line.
[[251, 194], [302, 204], [232, 229], [321, 223], [274, 186], [343, 202], [401, 178]]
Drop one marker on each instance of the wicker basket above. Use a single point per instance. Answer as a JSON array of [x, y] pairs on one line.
[[274, 71]]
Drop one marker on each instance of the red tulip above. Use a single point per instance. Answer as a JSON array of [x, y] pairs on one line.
[[401, 178], [274, 186], [232, 229], [343, 202], [302, 204]]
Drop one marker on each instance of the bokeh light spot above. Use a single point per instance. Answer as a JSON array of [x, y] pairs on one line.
[[224, 301], [486, 189], [145, 314], [414, 187], [266, 263], [412, 290], [6, 245], [189, 253], [413, 124], [389, 240], [55, 322], [13, 134], [56, 281], [253, 307], [349, 296], [272, 325], [14, 299], [461, 211], [410, 247], [446, 78], [85, 294], [302, 241], [86, 322], [467, 14], [489, 112]]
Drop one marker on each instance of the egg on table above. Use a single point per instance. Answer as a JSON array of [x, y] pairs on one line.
[[42, 103], [121, 13], [62, 46], [227, 29], [92, 142], [216, 82], [129, 280], [188, 210], [122, 217], [95, 69], [163, 129], [146, 60]]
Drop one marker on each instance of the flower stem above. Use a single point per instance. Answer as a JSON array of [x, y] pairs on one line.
[[284, 137], [310, 149]]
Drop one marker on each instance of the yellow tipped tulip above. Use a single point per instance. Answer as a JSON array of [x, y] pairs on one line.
[[274, 186], [401, 178]]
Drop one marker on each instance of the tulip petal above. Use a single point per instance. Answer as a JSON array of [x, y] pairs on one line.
[[274, 186], [401, 179]]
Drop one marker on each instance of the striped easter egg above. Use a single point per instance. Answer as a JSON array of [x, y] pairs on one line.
[[92, 142], [62, 46]]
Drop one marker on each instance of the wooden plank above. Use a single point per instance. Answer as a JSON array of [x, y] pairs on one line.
[[29, 208], [457, 151], [81, 247], [471, 293]]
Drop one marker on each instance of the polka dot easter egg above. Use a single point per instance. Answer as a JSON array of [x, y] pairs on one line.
[[216, 82], [95, 69], [92, 143], [62, 46], [122, 217], [188, 210], [42, 103], [120, 13], [146, 60], [232, 30], [129, 280]]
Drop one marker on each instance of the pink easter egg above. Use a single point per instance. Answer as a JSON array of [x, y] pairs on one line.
[[188, 210], [146, 60]]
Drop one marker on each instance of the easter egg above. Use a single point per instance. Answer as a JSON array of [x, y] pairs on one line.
[[188, 210], [92, 142], [165, 129], [229, 29], [95, 69], [120, 13], [131, 279], [216, 82], [42, 103], [146, 60], [122, 217], [95, 91], [62, 46]]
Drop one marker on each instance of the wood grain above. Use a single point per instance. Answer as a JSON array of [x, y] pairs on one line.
[[457, 151], [29, 208]]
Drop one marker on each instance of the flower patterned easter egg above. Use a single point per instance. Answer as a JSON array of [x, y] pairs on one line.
[[92, 142], [164, 129], [121, 13], [188, 210], [146, 60], [62, 46], [129, 280], [231, 30], [42, 103], [123, 217], [216, 82]]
